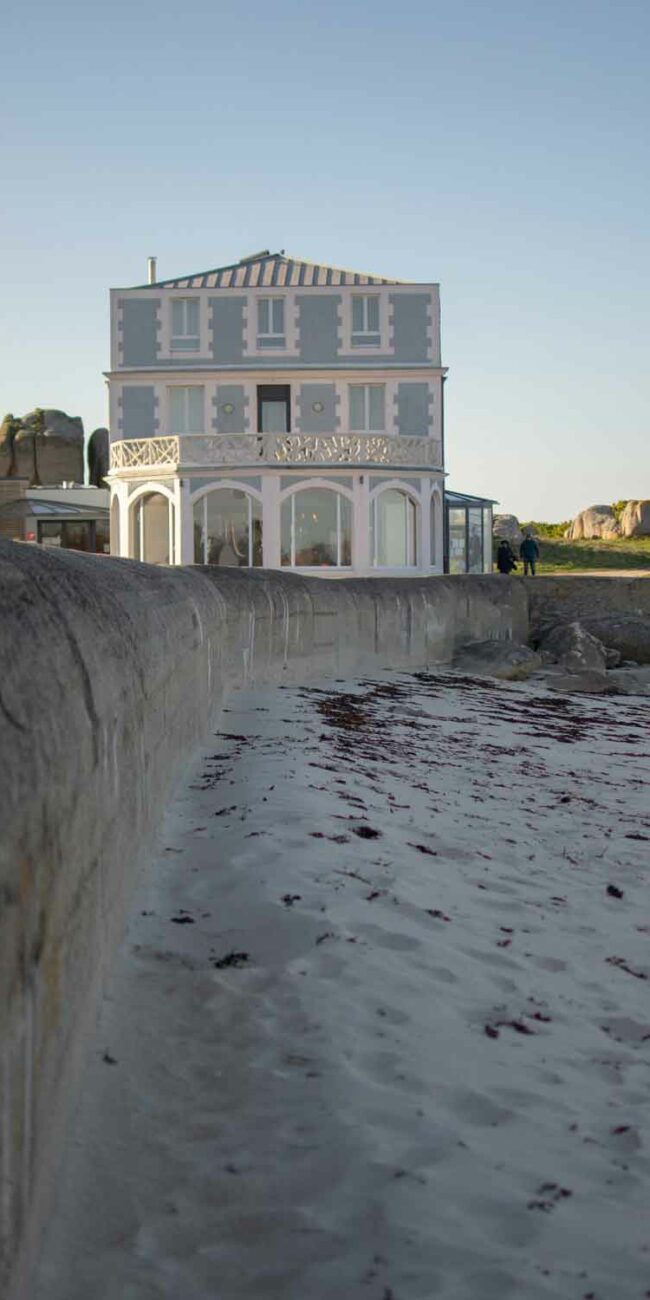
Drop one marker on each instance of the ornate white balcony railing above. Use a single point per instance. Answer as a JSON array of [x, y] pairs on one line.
[[206, 450], [144, 453]]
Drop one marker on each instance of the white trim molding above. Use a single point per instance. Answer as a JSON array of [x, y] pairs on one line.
[[238, 485]]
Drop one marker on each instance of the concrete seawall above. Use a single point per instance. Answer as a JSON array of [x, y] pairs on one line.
[[111, 674], [565, 598]]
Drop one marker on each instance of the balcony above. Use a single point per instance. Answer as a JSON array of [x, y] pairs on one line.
[[180, 453]]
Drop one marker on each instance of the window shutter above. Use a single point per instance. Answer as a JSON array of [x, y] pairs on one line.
[[278, 316], [177, 410], [263, 316], [195, 410], [357, 408], [192, 317], [373, 315], [177, 318], [376, 407]]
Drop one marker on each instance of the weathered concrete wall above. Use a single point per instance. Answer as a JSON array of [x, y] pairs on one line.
[[111, 672], [564, 599]]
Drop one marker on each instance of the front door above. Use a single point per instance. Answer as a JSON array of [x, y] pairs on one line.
[[273, 408]]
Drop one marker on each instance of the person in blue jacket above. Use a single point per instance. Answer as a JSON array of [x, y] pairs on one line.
[[529, 553]]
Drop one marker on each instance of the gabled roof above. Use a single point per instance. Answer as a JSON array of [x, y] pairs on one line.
[[268, 270]]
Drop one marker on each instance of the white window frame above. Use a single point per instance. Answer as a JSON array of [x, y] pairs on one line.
[[362, 336], [183, 302], [359, 348], [366, 407], [167, 351], [138, 508], [413, 540], [339, 497], [272, 333], [184, 388], [203, 501], [290, 347]]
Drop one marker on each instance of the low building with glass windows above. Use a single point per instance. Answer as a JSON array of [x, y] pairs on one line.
[[67, 516], [278, 413], [468, 533]]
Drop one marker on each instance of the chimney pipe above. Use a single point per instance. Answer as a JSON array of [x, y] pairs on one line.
[[151, 270]]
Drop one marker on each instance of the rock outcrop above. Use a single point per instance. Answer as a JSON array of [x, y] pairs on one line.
[[635, 519], [590, 681], [576, 649], [508, 527], [629, 634], [631, 681], [594, 522], [503, 659], [98, 457], [43, 447], [8, 430]]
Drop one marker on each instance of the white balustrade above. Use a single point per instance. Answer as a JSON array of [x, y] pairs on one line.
[[207, 450]]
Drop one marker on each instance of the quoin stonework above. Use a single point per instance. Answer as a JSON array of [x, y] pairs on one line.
[[283, 414]]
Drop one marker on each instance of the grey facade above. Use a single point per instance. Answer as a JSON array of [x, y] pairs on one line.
[[139, 331], [138, 418]]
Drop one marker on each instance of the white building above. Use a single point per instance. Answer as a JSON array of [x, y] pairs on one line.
[[278, 413]]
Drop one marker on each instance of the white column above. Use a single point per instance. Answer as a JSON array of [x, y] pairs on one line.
[[425, 524], [122, 541], [361, 557], [184, 515], [391, 407], [162, 411], [250, 409], [271, 521], [114, 412], [440, 526]]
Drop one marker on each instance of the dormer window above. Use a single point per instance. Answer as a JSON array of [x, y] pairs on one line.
[[270, 323], [185, 325], [365, 320]]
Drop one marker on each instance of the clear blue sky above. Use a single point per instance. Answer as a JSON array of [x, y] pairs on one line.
[[498, 146]]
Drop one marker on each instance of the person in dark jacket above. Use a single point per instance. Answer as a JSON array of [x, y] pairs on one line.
[[529, 553], [505, 557]]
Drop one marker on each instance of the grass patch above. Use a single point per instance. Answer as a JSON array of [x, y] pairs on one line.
[[560, 556]]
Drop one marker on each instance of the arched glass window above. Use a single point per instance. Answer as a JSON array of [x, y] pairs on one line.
[[316, 529], [228, 529], [153, 529], [393, 530]]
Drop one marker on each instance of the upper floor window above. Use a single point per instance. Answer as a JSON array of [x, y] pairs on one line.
[[365, 320], [186, 410], [270, 323], [367, 408], [185, 325]]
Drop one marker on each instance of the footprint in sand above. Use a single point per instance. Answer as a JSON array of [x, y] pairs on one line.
[[476, 1108]]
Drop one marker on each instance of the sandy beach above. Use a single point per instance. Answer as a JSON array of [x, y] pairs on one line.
[[380, 1025]]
